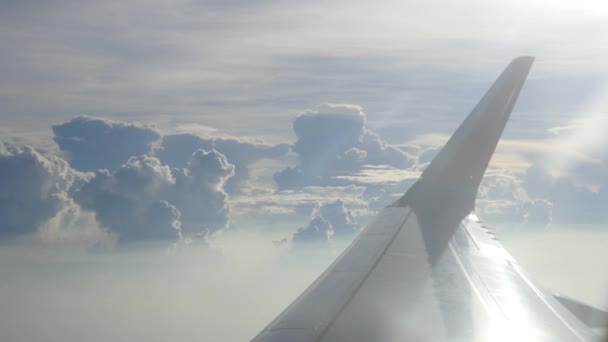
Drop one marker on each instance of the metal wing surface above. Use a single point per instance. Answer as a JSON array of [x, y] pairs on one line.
[[426, 269]]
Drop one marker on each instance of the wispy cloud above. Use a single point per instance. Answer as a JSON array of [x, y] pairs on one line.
[[217, 60]]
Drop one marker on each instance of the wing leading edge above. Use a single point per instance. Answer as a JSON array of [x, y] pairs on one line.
[[425, 269]]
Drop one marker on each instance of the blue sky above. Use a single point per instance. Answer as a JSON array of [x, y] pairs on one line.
[[233, 131]]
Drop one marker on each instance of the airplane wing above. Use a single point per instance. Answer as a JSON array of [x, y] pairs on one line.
[[426, 269]]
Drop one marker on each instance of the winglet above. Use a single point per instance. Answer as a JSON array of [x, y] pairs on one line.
[[456, 172]]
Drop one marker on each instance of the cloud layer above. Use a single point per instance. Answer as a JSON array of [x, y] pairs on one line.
[[149, 186]]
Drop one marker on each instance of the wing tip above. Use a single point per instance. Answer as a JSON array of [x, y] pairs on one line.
[[462, 161], [523, 61]]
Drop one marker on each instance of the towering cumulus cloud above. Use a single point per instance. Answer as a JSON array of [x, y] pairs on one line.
[[130, 201], [145, 200], [334, 141], [93, 143], [33, 189], [176, 150], [199, 192]]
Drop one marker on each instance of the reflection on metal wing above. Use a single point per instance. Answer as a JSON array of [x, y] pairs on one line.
[[426, 269]]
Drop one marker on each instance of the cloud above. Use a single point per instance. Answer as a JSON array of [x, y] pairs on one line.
[[146, 200], [115, 59], [297, 204], [130, 201], [340, 218], [141, 200], [317, 230], [94, 143], [328, 220], [573, 173], [538, 211], [333, 141], [504, 199], [73, 229], [563, 178], [573, 201], [199, 192], [33, 189], [542, 198], [176, 150]]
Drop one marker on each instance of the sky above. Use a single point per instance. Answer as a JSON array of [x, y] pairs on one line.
[[176, 170]]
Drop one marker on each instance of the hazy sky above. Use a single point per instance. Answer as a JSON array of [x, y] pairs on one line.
[[162, 163]]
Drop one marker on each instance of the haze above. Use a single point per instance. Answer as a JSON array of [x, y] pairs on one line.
[[183, 171]]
